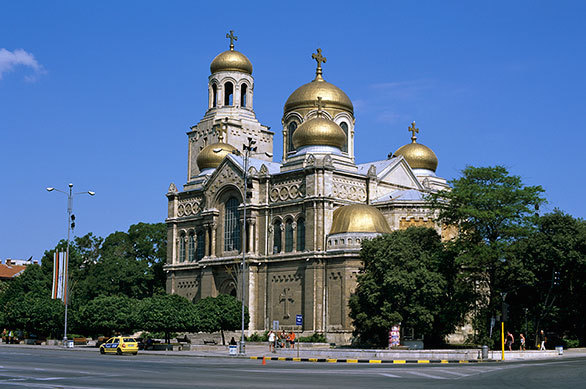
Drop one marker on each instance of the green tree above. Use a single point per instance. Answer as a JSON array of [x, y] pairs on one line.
[[491, 209], [167, 313], [222, 313], [107, 315], [558, 245], [407, 278]]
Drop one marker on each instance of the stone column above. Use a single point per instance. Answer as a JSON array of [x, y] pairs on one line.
[[294, 226], [250, 240], [282, 238], [206, 234], [270, 238], [214, 227]]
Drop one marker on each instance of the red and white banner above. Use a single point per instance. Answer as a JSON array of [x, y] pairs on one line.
[[59, 290]]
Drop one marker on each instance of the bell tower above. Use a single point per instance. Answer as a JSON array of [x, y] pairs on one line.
[[230, 108]]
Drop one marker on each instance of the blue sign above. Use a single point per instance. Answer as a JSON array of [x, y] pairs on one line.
[[299, 320]]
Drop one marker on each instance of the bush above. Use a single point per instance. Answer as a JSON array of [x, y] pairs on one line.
[[571, 343], [256, 337], [315, 338]]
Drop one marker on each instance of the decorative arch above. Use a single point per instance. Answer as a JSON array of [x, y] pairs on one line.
[[228, 93]]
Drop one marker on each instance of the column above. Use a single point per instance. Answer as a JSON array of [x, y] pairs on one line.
[[282, 237], [206, 234], [294, 226], [214, 227], [250, 241]]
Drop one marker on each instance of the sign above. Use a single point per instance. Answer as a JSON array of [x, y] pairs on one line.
[[299, 320], [395, 336], [275, 324], [233, 350]]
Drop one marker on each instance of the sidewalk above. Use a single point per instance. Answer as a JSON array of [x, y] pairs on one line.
[[326, 354]]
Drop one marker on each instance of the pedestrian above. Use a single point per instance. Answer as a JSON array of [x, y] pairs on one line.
[[542, 340], [272, 340], [291, 339], [233, 342], [4, 336], [522, 340], [510, 340]]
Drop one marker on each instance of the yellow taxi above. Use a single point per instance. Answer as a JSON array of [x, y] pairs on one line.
[[120, 345]]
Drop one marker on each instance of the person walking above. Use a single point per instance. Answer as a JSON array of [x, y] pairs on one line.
[[522, 340], [542, 340], [272, 341], [510, 340]]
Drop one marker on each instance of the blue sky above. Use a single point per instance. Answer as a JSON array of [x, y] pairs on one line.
[[101, 94]]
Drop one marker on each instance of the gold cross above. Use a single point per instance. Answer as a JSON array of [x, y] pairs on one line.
[[413, 131], [320, 105], [232, 38], [320, 59], [222, 129]]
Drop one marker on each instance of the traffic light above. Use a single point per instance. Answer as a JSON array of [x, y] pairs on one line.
[[72, 222], [556, 278], [505, 311], [249, 187]]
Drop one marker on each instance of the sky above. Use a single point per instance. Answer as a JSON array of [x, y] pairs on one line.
[[101, 94]]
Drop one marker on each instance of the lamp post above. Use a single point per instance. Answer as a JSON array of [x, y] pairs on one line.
[[70, 226]]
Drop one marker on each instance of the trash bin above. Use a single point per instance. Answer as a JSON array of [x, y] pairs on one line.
[[560, 350], [484, 352], [69, 343], [233, 350]]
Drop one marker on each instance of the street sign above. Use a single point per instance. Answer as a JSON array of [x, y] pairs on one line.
[[275, 324], [299, 320]]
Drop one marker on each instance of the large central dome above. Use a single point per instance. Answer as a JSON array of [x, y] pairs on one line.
[[306, 95]]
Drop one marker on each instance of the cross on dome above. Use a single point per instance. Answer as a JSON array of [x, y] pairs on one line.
[[319, 59], [232, 38], [413, 131]]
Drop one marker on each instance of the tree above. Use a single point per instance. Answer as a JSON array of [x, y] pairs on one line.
[[167, 313], [553, 295], [106, 315], [407, 278], [222, 313], [491, 209]]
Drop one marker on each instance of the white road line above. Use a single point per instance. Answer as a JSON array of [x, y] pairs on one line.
[[390, 375], [427, 375], [453, 372]]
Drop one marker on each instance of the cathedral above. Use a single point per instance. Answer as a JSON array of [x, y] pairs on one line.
[[298, 224]]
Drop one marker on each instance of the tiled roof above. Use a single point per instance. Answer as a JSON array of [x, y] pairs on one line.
[[10, 271]]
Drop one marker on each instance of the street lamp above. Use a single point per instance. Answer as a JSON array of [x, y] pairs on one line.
[[70, 226]]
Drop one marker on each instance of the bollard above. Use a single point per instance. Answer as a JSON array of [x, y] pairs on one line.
[[484, 352], [560, 350]]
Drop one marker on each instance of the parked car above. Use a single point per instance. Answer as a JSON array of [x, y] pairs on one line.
[[120, 345]]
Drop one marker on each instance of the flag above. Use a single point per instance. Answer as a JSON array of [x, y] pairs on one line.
[[59, 290]]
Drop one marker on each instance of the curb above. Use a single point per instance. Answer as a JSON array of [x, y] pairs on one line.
[[374, 361]]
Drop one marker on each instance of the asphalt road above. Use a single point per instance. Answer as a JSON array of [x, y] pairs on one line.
[[42, 368]]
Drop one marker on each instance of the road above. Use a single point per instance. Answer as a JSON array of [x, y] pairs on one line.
[[42, 368]]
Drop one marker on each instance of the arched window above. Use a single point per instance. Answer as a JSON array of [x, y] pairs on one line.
[[243, 90], [182, 248], [300, 235], [191, 248], [277, 247], [201, 246], [288, 236], [214, 95], [344, 126], [231, 226], [290, 130], [228, 93]]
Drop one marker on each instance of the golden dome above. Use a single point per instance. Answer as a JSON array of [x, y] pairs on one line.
[[319, 132], [359, 218], [212, 155], [231, 60], [418, 156], [306, 95]]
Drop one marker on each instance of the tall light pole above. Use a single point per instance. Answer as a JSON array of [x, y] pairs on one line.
[[70, 226], [248, 149]]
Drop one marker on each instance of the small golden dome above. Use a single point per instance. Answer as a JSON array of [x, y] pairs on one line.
[[319, 132], [231, 60], [212, 155], [418, 156], [306, 95], [359, 218]]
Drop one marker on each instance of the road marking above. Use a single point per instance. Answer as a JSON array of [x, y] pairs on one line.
[[453, 372], [351, 360], [399, 361], [331, 360], [374, 361], [423, 361], [390, 375], [427, 375]]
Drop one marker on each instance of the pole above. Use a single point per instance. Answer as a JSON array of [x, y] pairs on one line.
[[503, 339], [66, 270], [246, 151]]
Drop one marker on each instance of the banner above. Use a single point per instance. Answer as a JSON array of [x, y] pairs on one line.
[[59, 290]]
